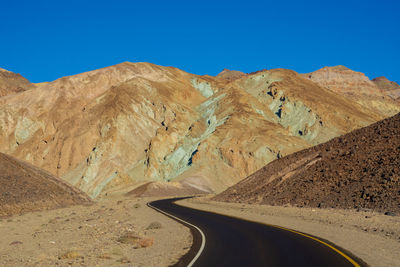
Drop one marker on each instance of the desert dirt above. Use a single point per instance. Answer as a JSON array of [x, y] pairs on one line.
[[118, 231], [373, 237]]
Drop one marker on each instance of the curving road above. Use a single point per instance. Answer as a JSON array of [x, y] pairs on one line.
[[220, 240]]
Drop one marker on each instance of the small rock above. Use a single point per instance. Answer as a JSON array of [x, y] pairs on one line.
[[135, 240], [145, 242], [128, 238], [73, 254], [124, 260], [389, 213], [105, 256], [154, 225], [15, 243]]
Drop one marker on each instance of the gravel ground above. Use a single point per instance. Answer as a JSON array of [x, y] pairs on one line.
[[119, 231]]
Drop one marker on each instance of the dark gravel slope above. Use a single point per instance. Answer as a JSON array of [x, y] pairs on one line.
[[357, 170], [24, 188]]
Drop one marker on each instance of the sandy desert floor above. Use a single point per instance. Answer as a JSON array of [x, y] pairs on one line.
[[118, 231], [373, 237]]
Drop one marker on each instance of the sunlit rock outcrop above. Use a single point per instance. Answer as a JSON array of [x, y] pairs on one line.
[[11, 83], [357, 87]]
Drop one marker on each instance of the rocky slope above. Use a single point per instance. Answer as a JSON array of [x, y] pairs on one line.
[[358, 170], [137, 122], [13, 83], [160, 189], [389, 88], [357, 87], [24, 188]]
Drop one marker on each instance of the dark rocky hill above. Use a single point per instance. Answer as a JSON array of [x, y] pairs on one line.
[[25, 188], [359, 170]]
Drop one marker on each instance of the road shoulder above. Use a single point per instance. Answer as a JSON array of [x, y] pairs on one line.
[[118, 231]]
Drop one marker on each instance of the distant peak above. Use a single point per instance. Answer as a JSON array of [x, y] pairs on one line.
[[4, 70], [381, 78], [230, 74], [335, 68], [225, 70], [339, 67]]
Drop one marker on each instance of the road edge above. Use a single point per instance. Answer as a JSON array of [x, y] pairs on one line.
[[360, 262], [191, 256]]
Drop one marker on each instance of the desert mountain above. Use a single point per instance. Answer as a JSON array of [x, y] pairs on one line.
[[138, 122], [13, 83], [357, 87], [230, 75], [390, 88], [24, 188], [358, 170]]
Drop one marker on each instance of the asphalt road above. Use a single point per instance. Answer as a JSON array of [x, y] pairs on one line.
[[220, 240]]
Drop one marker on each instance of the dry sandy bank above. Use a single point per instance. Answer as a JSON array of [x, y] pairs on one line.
[[88, 236], [373, 237]]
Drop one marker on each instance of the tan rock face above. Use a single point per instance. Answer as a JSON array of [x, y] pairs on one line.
[[390, 88], [131, 123], [13, 83], [94, 124], [343, 80], [357, 87]]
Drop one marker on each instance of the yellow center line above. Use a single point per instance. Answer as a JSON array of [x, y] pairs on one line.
[[320, 241], [290, 230]]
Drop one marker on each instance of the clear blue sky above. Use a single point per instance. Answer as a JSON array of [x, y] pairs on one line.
[[45, 40]]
